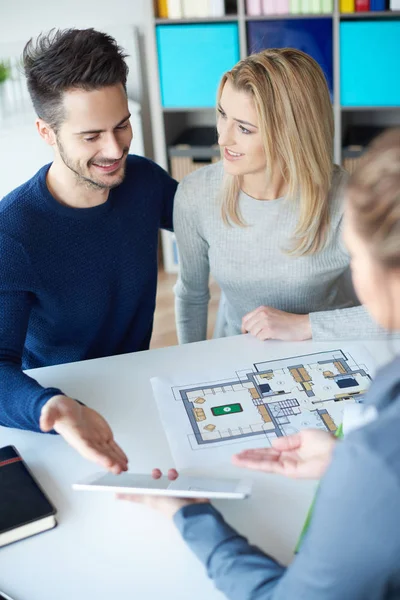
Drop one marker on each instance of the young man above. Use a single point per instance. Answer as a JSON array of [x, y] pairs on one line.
[[78, 242]]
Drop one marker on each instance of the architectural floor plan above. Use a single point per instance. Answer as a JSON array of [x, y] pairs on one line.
[[270, 399], [275, 398]]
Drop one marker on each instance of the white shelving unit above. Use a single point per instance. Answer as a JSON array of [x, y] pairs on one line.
[[168, 123]]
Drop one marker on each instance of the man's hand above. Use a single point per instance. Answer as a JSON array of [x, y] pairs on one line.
[[267, 323], [166, 505], [304, 455], [85, 430]]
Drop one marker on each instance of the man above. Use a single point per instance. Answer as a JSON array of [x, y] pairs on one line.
[[78, 242]]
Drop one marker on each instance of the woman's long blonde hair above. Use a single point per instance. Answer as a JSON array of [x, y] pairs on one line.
[[295, 118]]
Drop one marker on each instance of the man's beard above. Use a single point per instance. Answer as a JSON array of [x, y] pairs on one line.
[[86, 181]]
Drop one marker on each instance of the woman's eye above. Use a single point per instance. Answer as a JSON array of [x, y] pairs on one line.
[[123, 127], [222, 114], [243, 129], [91, 139]]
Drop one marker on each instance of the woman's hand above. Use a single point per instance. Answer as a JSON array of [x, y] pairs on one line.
[[267, 323], [304, 455], [166, 505]]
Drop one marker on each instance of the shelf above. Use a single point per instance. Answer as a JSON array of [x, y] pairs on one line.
[[183, 21], [289, 16], [364, 108], [384, 14], [188, 109], [213, 109], [169, 122]]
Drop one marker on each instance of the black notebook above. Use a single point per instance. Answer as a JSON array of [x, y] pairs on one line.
[[24, 507]]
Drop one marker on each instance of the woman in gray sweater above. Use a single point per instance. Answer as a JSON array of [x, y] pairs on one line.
[[266, 219]]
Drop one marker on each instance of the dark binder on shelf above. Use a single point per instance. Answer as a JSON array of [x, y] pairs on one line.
[[376, 5]]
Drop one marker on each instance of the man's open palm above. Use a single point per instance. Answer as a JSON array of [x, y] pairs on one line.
[[85, 430]]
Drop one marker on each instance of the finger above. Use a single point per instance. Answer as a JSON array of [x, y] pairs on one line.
[[119, 453], [267, 465], [130, 497], [253, 321], [258, 457], [258, 453], [97, 455], [287, 466], [264, 334], [288, 442], [246, 326], [252, 313], [48, 418], [117, 469], [261, 331], [109, 450], [156, 473], [173, 474], [255, 329], [260, 327]]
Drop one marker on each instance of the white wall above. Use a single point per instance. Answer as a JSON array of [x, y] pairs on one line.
[[22, 19]]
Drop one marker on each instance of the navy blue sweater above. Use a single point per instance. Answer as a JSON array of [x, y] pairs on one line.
[[76, 283]]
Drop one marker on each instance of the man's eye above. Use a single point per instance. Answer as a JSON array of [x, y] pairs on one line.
[[91, 139], [123, 127]]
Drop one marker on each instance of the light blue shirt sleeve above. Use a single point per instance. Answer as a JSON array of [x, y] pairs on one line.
[[351, 550]]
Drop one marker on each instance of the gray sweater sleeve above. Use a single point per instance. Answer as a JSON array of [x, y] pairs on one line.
[[350, 552], [191, 290], [345, 324]]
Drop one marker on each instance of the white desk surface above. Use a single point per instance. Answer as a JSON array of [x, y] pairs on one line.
[[105, 549]]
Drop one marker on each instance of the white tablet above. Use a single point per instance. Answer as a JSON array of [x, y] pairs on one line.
[[183, 487]]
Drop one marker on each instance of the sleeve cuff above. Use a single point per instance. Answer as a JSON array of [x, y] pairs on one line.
[[44, 397]]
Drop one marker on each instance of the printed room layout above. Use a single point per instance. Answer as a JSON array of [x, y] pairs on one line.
[[275, 398]]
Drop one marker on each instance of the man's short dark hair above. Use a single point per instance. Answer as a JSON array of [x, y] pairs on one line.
[[62, 60]]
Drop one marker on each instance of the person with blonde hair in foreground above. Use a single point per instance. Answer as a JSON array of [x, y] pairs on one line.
[[266, 219], [352, 547]]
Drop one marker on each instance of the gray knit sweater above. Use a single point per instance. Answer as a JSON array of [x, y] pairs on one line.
[[251, 266]]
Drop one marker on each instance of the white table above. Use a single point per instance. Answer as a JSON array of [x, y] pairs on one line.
[[105, 549]]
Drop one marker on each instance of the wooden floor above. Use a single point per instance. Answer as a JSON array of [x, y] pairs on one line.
[[164, 333]]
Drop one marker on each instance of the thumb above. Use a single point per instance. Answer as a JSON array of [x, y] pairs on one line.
[[48, 417], [289, 442]]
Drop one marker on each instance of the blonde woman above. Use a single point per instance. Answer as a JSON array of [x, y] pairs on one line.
[[266, 219], [352, 548]]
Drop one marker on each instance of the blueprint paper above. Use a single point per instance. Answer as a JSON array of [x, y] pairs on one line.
[[207, 420]]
